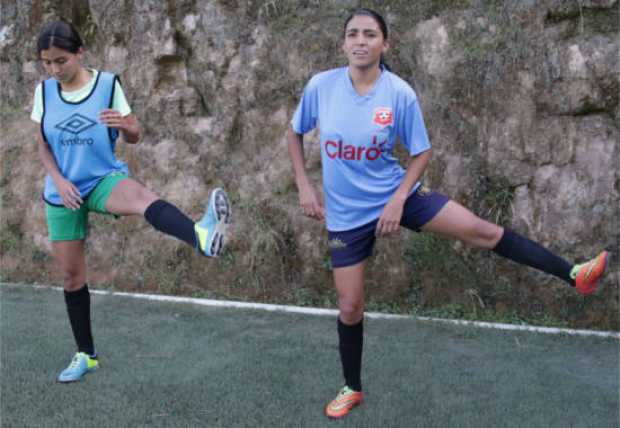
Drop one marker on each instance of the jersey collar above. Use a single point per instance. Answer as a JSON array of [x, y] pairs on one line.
[[370, 94]]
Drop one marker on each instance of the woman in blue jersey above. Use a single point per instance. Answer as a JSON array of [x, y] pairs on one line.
[[361, 110], [82, 112]]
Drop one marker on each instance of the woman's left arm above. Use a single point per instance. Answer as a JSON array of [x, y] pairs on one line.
[[389, 221], [127, 125]]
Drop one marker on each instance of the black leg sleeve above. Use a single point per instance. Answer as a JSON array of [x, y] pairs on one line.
[[351, 343], [524, 251], [168, 219], [78, 308]]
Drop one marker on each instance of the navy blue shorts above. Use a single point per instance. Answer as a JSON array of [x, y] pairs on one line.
[[349, 247]]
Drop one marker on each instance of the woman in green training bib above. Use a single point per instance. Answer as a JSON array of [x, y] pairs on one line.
[[82, 112]]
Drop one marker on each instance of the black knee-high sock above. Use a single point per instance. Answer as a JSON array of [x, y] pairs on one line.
[[351, 344], [167, 218], [527, 252], [78, 308]]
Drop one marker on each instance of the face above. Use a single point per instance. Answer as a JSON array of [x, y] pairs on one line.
[[62, 65], [364, 42]]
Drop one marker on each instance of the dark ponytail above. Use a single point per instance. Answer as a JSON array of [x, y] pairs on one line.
[[61, 35], [379, 20]]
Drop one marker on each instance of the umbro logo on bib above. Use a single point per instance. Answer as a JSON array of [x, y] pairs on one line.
[[75, 124], [383, 116]]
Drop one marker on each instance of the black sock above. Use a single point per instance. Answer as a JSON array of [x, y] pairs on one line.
[[167, 218], [78, 308], [527, 252], [351, 344]]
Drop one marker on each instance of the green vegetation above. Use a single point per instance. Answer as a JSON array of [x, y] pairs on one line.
[[588, 20], [84, 23], [9, 108], [497, 197], [10, 156], [270, 255], [169, 278], [10, 237], [432, 256], [415, 10]]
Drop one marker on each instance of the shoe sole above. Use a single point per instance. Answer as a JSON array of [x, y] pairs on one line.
[[343, 414], [334, 416], [219, 200], [600, 285], [80, 378]]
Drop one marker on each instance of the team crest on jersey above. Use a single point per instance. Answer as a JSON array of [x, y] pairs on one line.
[[383, 116]]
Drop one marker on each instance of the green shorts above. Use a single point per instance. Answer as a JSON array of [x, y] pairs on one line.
[[65, 224]]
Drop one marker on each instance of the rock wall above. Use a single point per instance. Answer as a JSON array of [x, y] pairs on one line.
[[520, 100]]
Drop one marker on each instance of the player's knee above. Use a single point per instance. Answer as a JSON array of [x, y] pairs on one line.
[[138, 200], [146, 196], [484, 234], [73, 279], [351, 311]]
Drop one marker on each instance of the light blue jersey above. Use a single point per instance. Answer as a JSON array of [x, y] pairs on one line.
[[357, 135], [82, 147]]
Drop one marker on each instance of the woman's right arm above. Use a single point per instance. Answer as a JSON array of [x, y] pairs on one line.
[[308, 199], [68, 192]]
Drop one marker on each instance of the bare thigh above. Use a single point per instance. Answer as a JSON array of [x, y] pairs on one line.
[[456, 221], [130, 198], [349, 282], [72, 262]]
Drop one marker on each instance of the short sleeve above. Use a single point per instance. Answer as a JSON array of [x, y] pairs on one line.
[[37, 105], [411, 129], [119, 102], [305, 117]]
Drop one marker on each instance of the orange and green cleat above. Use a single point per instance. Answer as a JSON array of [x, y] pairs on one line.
[[587, 275], [346, 400]]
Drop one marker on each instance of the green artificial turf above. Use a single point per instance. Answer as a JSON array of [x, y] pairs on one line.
[[182, 365]]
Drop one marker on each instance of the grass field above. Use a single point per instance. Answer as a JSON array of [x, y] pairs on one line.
[[181, 365]]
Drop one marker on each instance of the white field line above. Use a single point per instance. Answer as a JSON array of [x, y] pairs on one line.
[[334, 312]]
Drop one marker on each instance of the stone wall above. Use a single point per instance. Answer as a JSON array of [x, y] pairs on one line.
[[520, 100]]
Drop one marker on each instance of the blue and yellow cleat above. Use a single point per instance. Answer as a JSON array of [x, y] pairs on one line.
[[79, 366], [211, 229]]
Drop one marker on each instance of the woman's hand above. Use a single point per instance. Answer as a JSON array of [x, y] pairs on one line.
[[127, 125], [310, 203], [112, 119], [69, 193], [389, 221]]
